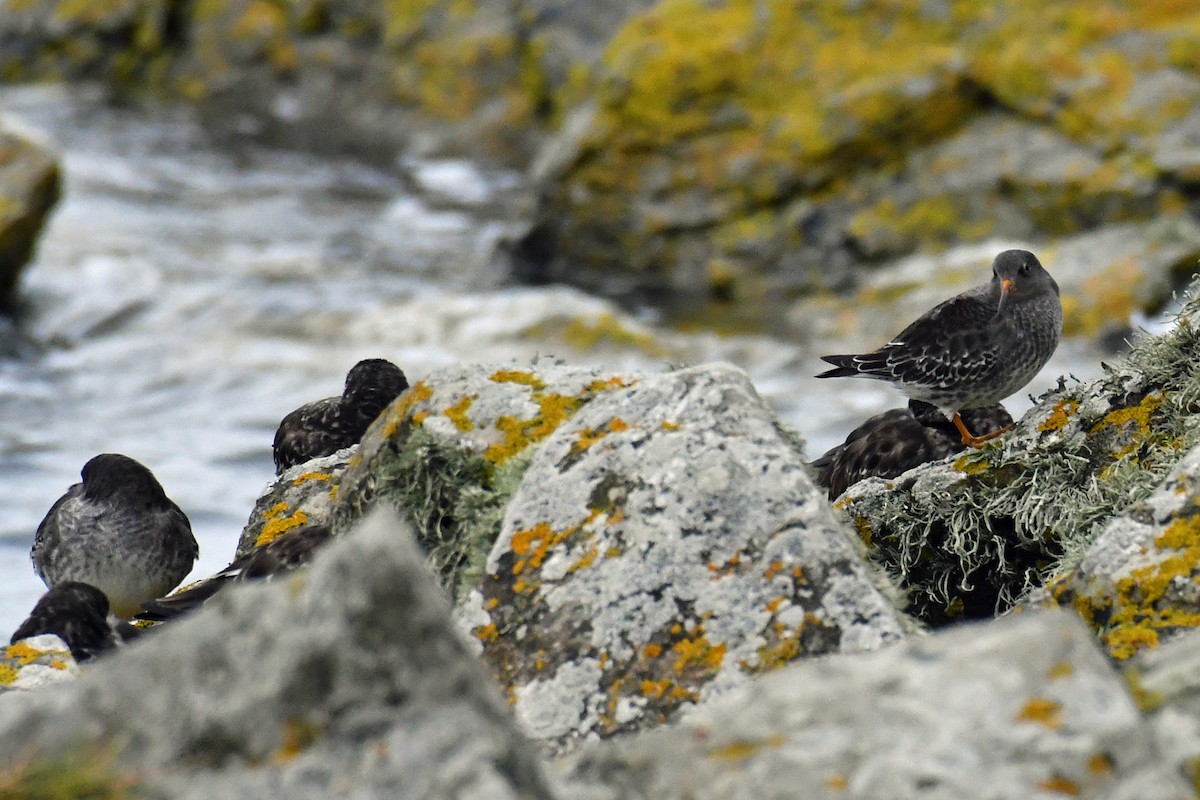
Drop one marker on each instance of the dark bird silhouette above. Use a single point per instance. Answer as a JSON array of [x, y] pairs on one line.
[[78, 614], [974, 349], [278, 556], [326, 426], [895, 441], [119, 532]]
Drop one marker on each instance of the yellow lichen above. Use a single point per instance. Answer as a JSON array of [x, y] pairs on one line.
[[1060, 785], [553, 410], [652, 650], [745, 748], [278, 522], [457, 414], [310, 476], [1060, 415], [298, 736], [1062, 669], [8, 674], [515, 376], [1040, 711], [24, 654], [698, 653]]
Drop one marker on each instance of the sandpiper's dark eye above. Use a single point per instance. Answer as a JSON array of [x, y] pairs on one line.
[[1024, 270]]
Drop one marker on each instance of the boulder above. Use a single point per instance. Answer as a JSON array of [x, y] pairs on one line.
[[346, 679], [730, 152], [1025, 707]]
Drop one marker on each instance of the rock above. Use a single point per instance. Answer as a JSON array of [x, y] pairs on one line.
[[728, 154], [348, 678], [664, 545], [1017, 708], [968, 536], [1165, 685], [302, 495], [29, 188], [36, 661], [1139, 581], [450, 451]]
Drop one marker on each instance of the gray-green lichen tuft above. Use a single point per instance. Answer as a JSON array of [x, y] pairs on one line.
[[454, 498], [968, 536]]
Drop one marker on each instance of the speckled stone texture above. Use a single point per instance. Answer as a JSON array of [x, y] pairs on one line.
[[1166, 684], [1139, 582], [664, 545], [36, 661], [1016, 709], [348, 679]]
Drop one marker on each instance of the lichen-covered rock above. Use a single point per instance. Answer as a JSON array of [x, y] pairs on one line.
[[29, 188], [1139, 581], [451, 450], [347, 679], [665, 544], [1166, 684], [732, 149], [431, 76], [36, 661], [968, 536], [1020, 708], [302, 495]]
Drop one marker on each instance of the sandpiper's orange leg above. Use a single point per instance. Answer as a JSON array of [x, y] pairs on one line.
[[969, 439]]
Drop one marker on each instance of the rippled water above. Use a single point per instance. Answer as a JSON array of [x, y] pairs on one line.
[[185, 298]]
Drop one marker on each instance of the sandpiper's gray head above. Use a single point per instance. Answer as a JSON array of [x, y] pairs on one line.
[[1021, 277]]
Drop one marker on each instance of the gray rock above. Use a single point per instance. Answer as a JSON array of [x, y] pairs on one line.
[[302, 495], [1015, 709], [1139, 581], [1166, 683], [664, 545], [348, 678], [36, 661]]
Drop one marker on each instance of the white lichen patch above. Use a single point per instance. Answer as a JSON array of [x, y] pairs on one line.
[[545, 706]]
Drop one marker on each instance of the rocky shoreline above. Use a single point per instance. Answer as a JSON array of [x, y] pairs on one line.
[[643, 568]]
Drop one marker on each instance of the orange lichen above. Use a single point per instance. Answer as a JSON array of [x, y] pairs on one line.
[[773, 569], [837, 783], [8, 674], [652, 650], [298, 736], [486, 633], [1040, 711], [745, 748], [670, 426], [590, 436], [1100, 764], [654, 689], [698, 652]]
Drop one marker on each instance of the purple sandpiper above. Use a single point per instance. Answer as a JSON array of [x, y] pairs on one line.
[[276, 557], [119, 532], [974, 349], [895, 441], [78, 614], [325, 426]]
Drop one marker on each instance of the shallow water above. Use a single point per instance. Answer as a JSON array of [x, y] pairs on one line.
[[184, 298]]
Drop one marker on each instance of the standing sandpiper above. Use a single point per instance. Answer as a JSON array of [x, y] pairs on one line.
[[974, 349]]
